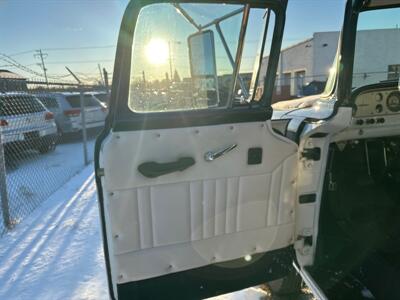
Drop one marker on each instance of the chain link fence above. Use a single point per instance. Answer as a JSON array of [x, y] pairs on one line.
[[47, 133]]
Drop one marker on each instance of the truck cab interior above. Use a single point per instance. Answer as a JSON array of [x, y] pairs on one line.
[[358, 243]]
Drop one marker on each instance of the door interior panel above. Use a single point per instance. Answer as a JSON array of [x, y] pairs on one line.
[[211, 212]]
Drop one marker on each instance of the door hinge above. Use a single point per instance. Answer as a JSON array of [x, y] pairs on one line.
[[100, 172], [312, 154], [304, 243]]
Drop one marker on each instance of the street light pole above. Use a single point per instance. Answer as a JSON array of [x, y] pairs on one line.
[[170, 60], [170, 56]]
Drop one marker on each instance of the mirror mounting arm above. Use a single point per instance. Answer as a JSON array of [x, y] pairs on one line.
[[223, 18], [232, 62], [239, 53], [267, 17], [187, 16], [216, 22]]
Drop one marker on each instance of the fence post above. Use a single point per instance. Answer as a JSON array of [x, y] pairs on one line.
[[3, 187], [83, 121], [106, 84]]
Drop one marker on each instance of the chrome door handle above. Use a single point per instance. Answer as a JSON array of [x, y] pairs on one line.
[[212, 155]]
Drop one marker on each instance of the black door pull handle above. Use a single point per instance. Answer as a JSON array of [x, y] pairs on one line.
[[153, 169]]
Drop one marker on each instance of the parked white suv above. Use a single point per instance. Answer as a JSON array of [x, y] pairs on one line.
[[66, 108], [25, 123]]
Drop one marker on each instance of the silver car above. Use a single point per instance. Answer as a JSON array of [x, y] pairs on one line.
[[25, 123], [67, 111]]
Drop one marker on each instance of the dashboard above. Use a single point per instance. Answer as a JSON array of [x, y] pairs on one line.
[[374, 105]]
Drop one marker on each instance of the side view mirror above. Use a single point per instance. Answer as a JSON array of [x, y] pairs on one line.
[[203, 67]]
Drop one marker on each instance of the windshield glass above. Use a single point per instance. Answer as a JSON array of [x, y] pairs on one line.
[[188, 56], [377, 52], [330, 83], [307, 65]]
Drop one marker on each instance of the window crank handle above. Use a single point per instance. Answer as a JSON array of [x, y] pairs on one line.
[[213, 155]]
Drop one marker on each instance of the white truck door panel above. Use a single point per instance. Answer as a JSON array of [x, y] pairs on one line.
[[212, 212]]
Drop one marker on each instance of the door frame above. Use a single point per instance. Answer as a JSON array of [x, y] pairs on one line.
[[122, 118]]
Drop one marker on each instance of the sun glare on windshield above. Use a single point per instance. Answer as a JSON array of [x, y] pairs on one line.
[[157, 52]]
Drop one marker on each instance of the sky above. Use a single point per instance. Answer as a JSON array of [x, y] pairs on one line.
[[81, 34], [28, 25]]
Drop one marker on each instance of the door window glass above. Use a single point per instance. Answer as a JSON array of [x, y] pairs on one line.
[[185, 56]]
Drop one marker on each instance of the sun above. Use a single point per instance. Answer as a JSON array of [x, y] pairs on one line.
[[157, 52]]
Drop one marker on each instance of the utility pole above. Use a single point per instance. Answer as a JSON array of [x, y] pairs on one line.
[[101, 75], [73, 75], [144, 77], [42, 56], [106, 84]]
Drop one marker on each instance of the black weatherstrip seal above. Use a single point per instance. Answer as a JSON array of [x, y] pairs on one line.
[[194, 119], [98, 143]]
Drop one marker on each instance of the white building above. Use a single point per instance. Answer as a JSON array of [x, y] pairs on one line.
[[310, 61], [385, 64]]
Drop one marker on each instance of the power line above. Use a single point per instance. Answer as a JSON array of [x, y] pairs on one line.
[[64, 49], [21, 53], [80, 48], [15, 64], [76, 62], [114, 46], [87, 76]]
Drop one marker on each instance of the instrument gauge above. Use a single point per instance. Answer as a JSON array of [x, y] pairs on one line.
[[393, 102], [379, 108], [378, 97]]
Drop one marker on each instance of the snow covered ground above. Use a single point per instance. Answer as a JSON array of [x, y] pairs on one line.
[[32, 177], [56, 253]]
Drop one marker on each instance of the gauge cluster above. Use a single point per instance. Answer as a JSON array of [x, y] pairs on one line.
[[393, 102], [378, 103]]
